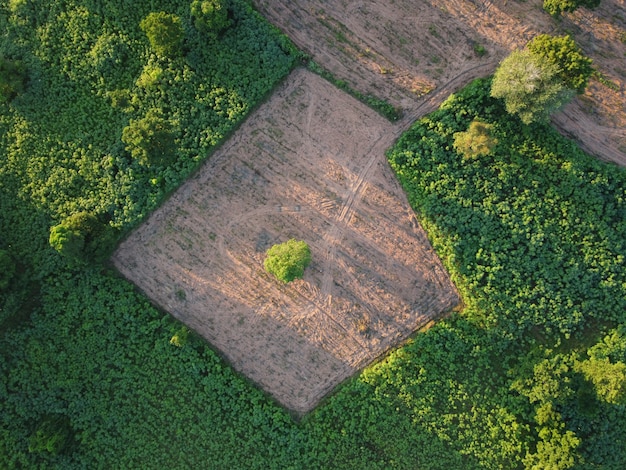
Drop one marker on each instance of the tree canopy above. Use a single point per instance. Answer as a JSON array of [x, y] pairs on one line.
[[288, 260], [210, 16], [151, 138], [476, 141], [164, 31], [530, 88], [81, 237], [557, 7], [7, 269], [573, 67], [12, 78]]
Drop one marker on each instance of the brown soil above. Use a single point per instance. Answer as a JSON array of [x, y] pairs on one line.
[[309, 164], [402, 50]]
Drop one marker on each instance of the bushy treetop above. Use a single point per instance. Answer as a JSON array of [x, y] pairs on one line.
[[288, 260], [210, 16], [164, 31], [529, 87], [573, 67]]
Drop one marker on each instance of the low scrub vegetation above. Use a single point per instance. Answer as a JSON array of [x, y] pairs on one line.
[[529, 375]]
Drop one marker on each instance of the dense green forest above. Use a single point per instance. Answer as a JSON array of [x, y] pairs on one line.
[[530, 374]]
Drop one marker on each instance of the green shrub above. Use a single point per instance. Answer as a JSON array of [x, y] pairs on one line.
[[288, 260], [151, 139], [530, 88], [12, 78], [210, 16], [82, 237], [574, 68], [476, 141], [165, 33], [557, 7], [51, 435], [7, 269]]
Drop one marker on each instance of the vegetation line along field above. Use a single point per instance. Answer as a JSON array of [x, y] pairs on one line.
[[106, 106]]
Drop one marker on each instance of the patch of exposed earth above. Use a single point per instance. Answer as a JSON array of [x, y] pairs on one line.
[[403, 51], [308, 164]]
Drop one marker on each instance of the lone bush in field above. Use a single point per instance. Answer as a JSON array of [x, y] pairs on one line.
[[287, 260], [556, 7], [164, 31], [476, 141]]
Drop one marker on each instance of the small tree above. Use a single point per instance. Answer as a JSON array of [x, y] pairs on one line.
[[210, 16], [12, 78], [165, 33], [7, 269], [529, 87], [476, 141], [81, 237], [557, 7], [150, 139], [288, 260], [573, 67]]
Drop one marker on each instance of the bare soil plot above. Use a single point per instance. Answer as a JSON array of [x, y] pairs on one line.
[[415, 53], [309, 164]]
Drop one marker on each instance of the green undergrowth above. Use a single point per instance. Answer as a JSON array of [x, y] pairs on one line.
[[94, 376]]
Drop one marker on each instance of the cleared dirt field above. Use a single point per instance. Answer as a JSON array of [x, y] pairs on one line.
[[309, 164], [415, 53]]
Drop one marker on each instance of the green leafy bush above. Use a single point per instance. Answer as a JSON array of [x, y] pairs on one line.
[[210, 16], [288, 260], [557, 7], [12, 78], [476, 141], [151, 140], [165, 33], [7, 269], [529, 86], [573, 67], [81, 237]]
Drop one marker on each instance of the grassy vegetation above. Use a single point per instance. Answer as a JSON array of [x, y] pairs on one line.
[[93, 376]]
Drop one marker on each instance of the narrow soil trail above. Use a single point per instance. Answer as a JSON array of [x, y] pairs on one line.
[[413, 55]]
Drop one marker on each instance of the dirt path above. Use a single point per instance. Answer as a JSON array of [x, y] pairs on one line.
[[414, 54]]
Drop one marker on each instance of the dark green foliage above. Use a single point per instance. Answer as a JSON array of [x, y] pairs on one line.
[[7, 269], [165, 33], [51, 435], [12, 78], [557, 7], [530, 87], [151, 139], [476, 141], [288, 260], [67, 241], [536, 229], [82, 237], [574, 68], [533, 234], [210, 16]]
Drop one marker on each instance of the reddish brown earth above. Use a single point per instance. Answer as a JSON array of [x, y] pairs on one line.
[[308, 164], [404, 50]]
